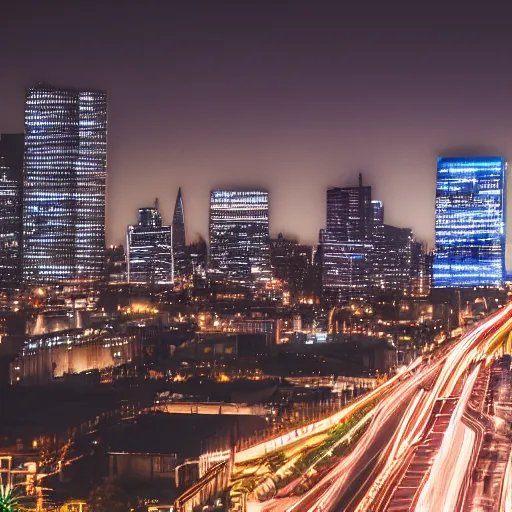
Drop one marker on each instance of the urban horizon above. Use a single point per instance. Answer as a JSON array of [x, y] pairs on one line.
[[260, 265], [322, 113], [192, 236]]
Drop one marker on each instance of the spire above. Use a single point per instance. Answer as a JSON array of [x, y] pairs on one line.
[[181, 267], [360, 179], [156, 204]]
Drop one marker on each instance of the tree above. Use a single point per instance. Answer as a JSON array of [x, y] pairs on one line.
[[108, 498], [7, 502]]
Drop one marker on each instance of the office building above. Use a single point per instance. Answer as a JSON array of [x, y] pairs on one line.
[[292, 263], [9, 231], [470, 222], [182, 266], [395, 260], [11, 193], [116, 264], [239, 236], [64, 185], [149, 249], [197, 254], [347, 243], [421, 270]]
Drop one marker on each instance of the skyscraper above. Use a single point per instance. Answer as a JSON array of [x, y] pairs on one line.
[[182, 266], [11, 212], [64, 185], [239, 235], [347, 243], [149, 249], [9, 230], [292, 263], [395, 260], [470, 222]]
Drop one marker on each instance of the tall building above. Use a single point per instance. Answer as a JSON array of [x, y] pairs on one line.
[[239, 235], [11, 212], [9, 230], [116, 264], [182, 266], [197, 254], [149, 249], [347, 243], [292, 263], [470, 222], [64, 185], [420, 270], [395, 260]]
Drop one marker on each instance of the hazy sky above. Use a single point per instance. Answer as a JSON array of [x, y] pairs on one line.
[[292, 96]]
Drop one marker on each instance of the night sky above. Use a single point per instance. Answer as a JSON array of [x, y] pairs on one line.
[[291, 96]]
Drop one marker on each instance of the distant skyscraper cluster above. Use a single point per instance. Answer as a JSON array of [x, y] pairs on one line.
[[52, 223], [360, 255]]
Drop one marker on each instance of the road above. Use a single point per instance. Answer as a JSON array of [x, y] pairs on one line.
[[421, 445]]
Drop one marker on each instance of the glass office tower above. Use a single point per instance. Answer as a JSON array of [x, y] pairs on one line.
[[149, 246], [64, 185], [470, 222], [239, 235]]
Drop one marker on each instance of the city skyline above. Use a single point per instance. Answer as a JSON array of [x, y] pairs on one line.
[[314, 103]]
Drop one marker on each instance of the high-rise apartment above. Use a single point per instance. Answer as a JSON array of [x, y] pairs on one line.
[[64, 185], [470, 222], [239, 236], [149, 249], [182, 265]]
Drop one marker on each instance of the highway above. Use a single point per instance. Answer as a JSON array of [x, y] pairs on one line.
[[425, 441]]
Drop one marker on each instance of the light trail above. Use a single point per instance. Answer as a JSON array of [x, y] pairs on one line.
[[340, 475], [442, 489], [471, 347], [262, 449]]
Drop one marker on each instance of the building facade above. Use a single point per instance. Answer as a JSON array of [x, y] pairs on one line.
[[149, 249], [64, 185], [470, 222], [10, 233], [395, 254], [11, 212], [239, 236], [292, 263], [347, 243]]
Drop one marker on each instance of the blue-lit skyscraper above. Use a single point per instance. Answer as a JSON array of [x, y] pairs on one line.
[[64, 185], [470, 222]]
